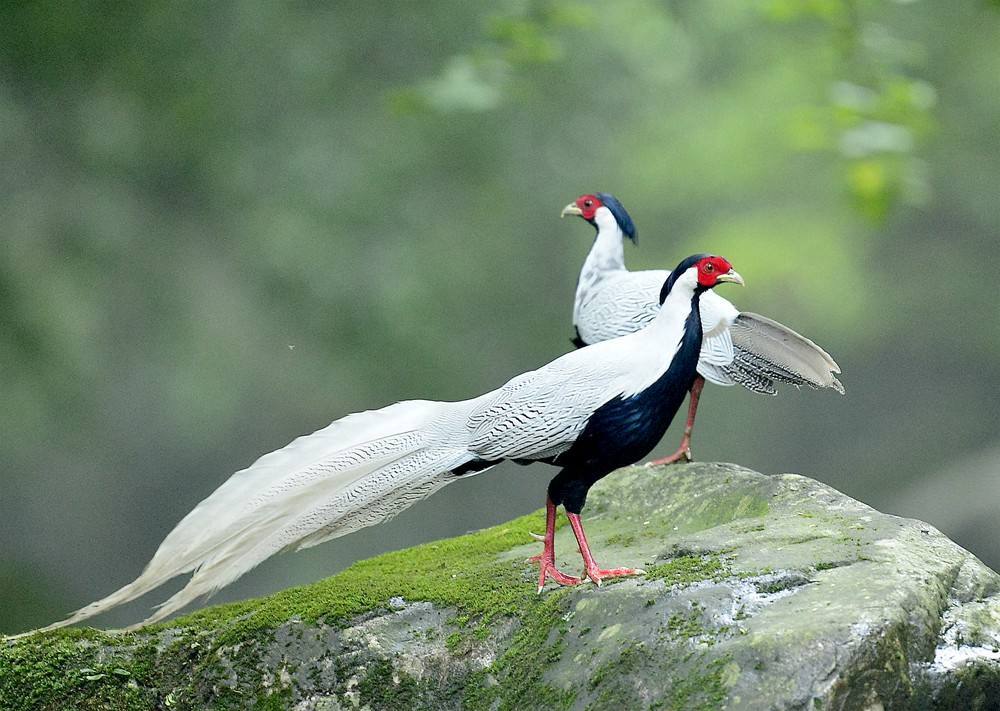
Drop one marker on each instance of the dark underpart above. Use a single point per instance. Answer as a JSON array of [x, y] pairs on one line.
[[624, 430]]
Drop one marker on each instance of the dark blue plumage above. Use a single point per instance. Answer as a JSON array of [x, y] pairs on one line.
[[622, 217], [625, 430]]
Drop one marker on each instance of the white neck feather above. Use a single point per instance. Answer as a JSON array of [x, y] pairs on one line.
[[658, 342], [607, 255], [677, 305]]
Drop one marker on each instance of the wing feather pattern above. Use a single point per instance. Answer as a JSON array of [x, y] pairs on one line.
[[769, 352], [738, 348]]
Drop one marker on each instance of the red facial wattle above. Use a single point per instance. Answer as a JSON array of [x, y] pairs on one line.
[[711, 268], [588, 205]]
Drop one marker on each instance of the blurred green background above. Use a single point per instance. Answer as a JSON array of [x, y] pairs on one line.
[[226, 224]]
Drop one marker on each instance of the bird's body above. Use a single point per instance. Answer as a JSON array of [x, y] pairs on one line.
[[589, 412], [617, 302], [738, 348]]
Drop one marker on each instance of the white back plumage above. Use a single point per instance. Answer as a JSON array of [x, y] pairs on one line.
[[737, 348]]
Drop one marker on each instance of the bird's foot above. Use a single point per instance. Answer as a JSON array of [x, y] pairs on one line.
[[598, 574], [538, 558], [550, 571], [681, 455]]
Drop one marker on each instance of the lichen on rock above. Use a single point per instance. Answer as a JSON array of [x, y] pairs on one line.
[[760, 592]]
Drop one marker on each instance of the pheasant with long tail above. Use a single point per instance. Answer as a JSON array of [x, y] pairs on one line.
[[588, 412]]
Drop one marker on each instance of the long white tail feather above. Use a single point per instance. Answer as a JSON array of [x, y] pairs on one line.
[[326, 451], [780, 353], [356, 472], [390, 504], [365, 504]]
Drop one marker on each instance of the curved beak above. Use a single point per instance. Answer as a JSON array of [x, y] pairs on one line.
[[571, 209], [731, 277]]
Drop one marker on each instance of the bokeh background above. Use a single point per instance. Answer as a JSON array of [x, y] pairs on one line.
[[226, 224]]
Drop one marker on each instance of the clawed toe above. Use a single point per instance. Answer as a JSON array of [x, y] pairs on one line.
[[550, 571], [680, 457], [599, 574]]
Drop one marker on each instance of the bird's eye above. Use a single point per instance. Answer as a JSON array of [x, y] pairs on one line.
[[588, 203], [709, 267]]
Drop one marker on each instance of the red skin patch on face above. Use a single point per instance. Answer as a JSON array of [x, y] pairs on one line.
[[710, 269], [588, 205]]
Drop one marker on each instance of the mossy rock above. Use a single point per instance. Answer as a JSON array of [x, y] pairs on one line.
[[760, 592]]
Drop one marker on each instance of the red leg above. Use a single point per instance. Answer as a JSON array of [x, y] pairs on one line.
[[547, 558], [594, 571], [683, 452]]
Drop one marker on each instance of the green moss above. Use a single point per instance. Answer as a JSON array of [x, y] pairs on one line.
[[537, 644], [66, 673], [685, 626], [644, 642], [688, 569], [482, 632], [828, 565], [697, 682], [384, 688], [464, 573], [703, 688], [461, 572], [453, 641], [624, 663], [621, 539]]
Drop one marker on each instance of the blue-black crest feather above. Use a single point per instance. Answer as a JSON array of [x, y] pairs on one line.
[[678, 270], [622, 217]]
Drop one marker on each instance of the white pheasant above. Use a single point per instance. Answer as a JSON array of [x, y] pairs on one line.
[[739, 348], [588, 412]]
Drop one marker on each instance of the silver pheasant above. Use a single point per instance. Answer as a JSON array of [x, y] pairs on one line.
[[739, 347]]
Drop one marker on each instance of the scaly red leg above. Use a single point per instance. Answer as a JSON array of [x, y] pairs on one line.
[[594, 571], [683, 453], [547, 558]]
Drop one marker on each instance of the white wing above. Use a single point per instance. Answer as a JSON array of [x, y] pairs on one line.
[[619, 302], [717, 315], [537, 415], [622, 302], [737, 348]]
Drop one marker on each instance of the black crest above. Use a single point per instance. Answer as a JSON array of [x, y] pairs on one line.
[[676, 273]]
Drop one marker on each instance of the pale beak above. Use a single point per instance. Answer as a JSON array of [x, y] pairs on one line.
[[571, 209], [732, 277]]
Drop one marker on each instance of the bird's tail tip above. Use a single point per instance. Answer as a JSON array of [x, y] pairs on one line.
[[137, 588]]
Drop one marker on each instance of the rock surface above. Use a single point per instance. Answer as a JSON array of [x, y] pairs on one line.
[[760, 592]]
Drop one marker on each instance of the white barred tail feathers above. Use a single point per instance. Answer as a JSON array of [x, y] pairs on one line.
[[356, 472], [767, 352]]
